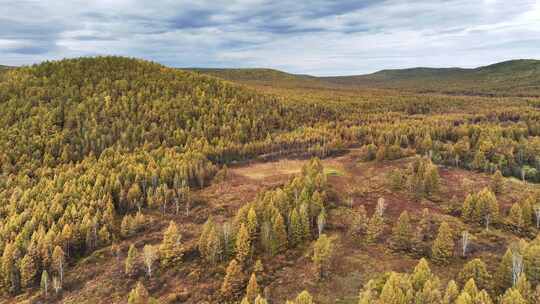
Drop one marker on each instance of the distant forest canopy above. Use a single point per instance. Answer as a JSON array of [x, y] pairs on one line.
[[509, 78], [86, 140]]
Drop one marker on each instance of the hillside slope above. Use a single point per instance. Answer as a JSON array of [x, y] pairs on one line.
[[510, 78], [515, 77]]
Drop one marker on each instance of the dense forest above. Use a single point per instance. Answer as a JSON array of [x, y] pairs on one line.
[[133, 164]]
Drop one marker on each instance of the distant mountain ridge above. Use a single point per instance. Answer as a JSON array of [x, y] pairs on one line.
[[509, 78]]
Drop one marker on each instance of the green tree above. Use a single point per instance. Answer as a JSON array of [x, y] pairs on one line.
[[497, 182], [171, 249], [476, 269], [451, 293], [443, 246], [402, 233], [374, 227], [44, 283], [138, 295], [131, 260], [322, 253]]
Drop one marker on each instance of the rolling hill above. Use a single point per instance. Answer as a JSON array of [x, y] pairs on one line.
[[509, 78], [122, 179]]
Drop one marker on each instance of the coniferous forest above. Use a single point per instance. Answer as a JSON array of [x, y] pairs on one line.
[[126, 181]]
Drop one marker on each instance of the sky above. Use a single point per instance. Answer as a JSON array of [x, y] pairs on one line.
[[311, 37]]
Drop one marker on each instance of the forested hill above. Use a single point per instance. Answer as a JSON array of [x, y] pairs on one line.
[[264, 77], [510, 78], [60, 112]]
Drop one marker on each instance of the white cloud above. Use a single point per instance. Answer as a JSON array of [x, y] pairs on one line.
[[318, 37]]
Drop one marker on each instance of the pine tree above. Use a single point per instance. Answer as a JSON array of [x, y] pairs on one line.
[[243, 245], [322, 254], [171, 249], [233, 280], [131, 260], [402, 233], [443, 246], [252, 289]]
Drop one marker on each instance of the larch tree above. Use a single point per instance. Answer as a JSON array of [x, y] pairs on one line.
[[243, 245], [476, 269], [171, 249], [322, 253], [130, 265], [232, 283], [252, 289], [443, 246], [138, 295], [402, 233]]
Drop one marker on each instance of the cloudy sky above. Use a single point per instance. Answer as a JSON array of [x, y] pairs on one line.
[[314, 37]]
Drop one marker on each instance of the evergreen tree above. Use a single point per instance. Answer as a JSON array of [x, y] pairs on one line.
[[443, 246]]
